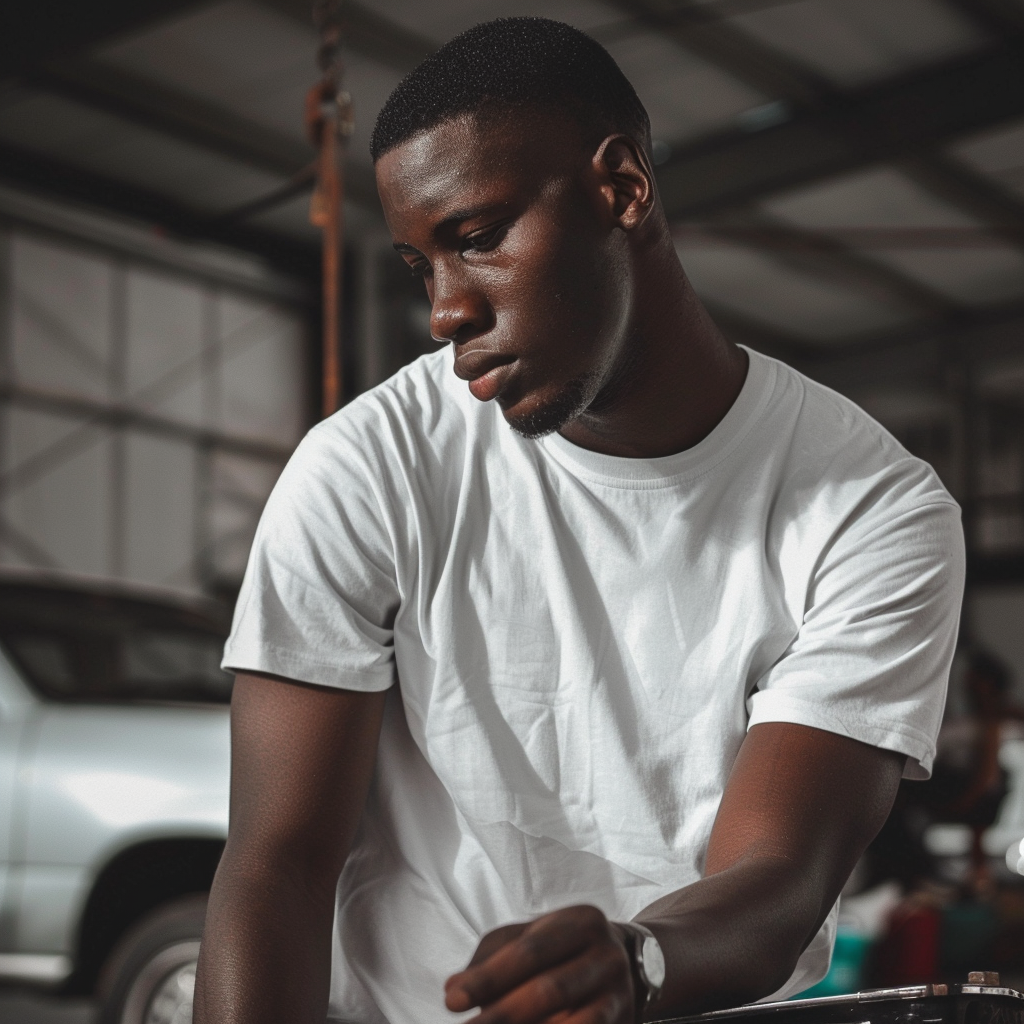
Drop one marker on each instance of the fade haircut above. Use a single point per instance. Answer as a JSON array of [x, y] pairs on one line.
[[509, 64]]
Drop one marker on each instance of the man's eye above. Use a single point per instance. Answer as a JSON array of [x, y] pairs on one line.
[[486, 240]]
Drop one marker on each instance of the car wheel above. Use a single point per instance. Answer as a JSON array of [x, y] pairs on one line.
[[150, 976]]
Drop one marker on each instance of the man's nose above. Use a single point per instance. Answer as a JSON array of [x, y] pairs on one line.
[[459, 312]]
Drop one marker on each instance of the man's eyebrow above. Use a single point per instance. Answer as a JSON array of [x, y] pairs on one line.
[[457, 216], [454, 218]]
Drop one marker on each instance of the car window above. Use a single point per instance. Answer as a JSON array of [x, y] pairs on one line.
[[44, 658], [102, 650], [153, 661]]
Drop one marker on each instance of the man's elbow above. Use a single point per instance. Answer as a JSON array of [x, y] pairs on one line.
[[773, 958], [306, 872]]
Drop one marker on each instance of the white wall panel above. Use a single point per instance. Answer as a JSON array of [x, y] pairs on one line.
[[164, 328], [61, 318], [263, 371], [160, 510], [238, 489], [56, 498], [150, 412]]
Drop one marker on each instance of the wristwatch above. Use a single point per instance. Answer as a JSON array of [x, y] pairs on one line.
[[648, 961]]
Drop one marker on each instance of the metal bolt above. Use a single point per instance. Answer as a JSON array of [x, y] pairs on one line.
[[983, 978]]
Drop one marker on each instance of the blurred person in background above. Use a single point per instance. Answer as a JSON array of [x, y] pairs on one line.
[[970, 783]]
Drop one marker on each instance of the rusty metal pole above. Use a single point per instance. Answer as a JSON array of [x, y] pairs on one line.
[[329, 124]]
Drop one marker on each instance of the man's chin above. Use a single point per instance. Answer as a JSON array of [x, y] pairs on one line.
[[548, 417]]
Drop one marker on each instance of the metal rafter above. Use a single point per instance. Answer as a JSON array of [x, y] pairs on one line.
[[151, 105], [368, 33], [704, 32], [1000, 18], [949, 179], [33, 32], [909, 117], [916, 356], [95, 414], [696, 28], [836, 263], [36, 173]]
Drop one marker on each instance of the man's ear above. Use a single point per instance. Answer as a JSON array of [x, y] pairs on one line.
[[626, 180]]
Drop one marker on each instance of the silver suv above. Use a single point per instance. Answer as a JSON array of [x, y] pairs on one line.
[[113, 792]]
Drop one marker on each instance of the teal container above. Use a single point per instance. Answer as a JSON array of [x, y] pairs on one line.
[[846, 971]]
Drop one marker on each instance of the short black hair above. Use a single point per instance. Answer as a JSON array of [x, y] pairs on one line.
[[513, 63]]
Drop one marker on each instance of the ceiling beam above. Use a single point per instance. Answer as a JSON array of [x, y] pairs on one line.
[[147, 103], [831, 133], [705, 32], [35, 31], [43, 175], [1000, 18], [697, 27], [157, 107], [895, 120], [918, 356], [367, 33], [983, 198], [831, 260]]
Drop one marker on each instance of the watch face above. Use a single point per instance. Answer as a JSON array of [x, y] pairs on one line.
[[653, 961]]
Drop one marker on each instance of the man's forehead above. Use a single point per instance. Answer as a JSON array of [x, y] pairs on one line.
[[466, 161]]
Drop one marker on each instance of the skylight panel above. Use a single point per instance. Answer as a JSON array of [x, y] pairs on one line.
[[854, 42]]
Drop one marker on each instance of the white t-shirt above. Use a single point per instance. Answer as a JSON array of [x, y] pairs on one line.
[[580, 644]]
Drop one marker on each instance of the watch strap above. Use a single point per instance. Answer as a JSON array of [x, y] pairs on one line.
[[638, 934]]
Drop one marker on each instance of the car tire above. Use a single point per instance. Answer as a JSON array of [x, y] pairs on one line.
[[150, 975]]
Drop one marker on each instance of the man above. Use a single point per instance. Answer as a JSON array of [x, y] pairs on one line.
[[594, 715]]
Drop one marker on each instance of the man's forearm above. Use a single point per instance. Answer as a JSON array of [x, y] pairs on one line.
[[266, 952], [733, 937]]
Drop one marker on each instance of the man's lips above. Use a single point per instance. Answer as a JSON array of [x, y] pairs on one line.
[[487, 372]]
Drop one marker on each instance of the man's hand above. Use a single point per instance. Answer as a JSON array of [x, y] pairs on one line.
[[571, 964]]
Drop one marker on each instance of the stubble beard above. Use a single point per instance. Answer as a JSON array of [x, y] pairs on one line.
[[572, 401]]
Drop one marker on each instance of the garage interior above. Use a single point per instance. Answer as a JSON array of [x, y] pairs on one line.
[[845, 179]]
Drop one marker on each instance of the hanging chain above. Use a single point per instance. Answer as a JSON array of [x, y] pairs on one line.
[[329, 124]]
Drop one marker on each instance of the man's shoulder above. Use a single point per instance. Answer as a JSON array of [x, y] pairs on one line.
[[832, 445], [418, 406], [416, 396]]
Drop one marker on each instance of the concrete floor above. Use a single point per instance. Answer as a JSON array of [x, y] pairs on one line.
[[28, 1008]]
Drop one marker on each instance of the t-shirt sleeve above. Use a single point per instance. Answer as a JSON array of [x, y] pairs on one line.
[[319, 597], [871, 659]]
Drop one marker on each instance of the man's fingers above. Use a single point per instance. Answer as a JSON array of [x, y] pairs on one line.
[[559, 991], [493, 941], [544, 944]]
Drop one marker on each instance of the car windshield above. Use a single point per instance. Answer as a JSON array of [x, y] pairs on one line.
[[88, 647]]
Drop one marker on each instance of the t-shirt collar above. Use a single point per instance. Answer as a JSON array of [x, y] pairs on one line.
[[703, 456]]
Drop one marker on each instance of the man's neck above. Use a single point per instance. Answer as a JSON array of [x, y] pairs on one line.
[[678, 376]]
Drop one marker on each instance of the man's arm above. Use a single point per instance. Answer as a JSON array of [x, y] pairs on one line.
[[799, 810], [301, 762]]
